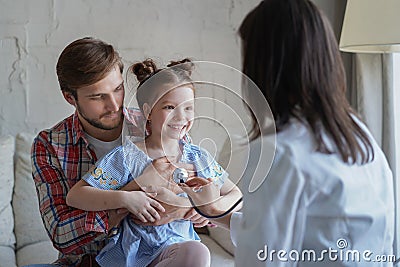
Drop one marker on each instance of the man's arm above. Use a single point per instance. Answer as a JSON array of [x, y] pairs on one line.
[[87, 197], [68, 228]]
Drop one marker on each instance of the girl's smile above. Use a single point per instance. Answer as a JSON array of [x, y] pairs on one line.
[[172, 116]]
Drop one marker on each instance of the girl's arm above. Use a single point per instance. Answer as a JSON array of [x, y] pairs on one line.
[[176, 207], [84, 196]]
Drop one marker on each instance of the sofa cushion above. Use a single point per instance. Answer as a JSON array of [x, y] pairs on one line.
[[29, 228], [7, 256], [33, 244], [7, 237], [223, 238], [235, 166], [41, 252], [219, 257]]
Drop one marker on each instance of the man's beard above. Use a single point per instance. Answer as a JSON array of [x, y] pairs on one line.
[[97, 123]]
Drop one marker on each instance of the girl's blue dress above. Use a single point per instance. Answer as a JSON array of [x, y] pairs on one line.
[[136, 245]]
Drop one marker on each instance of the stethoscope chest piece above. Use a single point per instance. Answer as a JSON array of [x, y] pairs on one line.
[[180, 175]]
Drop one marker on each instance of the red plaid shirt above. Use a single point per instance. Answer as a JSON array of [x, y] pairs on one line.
[[60, 157]]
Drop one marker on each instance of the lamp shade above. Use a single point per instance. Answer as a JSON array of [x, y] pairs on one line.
[[371, 26]]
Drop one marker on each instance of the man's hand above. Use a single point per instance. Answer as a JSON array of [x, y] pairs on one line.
[[116, 216], [195, 218]]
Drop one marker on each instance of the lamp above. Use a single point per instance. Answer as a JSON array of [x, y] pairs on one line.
[[371, 26]]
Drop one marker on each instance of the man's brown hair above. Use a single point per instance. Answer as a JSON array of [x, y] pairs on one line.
[[84, 62]]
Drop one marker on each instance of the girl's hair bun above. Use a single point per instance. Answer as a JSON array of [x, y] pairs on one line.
[[144, 69], [185, 65]]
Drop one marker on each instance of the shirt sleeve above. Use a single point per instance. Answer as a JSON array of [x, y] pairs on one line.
[[205, 164], [108, 173], [274, 215], [118, 167], [69, 229]]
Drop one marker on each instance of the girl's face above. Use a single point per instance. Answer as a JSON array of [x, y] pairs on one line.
[[172, 116]]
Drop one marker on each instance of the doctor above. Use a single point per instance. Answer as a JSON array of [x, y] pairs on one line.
[[328, 197]]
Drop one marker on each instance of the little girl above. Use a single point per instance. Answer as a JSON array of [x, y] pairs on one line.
[[166, 99]]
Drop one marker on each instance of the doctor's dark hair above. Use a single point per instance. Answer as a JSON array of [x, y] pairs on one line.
[[176, 74], [84, 62], [291, 54]]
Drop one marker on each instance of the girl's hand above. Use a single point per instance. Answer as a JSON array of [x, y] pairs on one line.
[[175, 207], [142, 206]]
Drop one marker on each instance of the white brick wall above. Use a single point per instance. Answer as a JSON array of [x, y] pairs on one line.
[[33, 33]]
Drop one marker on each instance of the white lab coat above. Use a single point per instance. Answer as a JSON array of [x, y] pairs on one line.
[[314, 202]]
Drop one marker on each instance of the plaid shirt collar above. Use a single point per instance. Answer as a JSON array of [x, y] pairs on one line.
[[77, 131]]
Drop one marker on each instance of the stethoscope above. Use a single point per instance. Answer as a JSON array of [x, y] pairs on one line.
[[181, 175]]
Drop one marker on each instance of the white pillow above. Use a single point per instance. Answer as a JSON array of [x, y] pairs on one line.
[[38, 253], [7, 237], [29, 228], [7, 256], [219, 256], [223, 238], [234, 157]]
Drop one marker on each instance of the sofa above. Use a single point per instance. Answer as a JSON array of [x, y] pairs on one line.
[[23, 239]]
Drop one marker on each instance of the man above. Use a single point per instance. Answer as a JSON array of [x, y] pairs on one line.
[[90, 76]]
